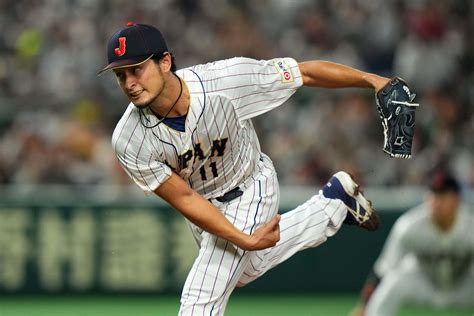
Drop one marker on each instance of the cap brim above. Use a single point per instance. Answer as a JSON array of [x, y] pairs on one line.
[[126, 63]]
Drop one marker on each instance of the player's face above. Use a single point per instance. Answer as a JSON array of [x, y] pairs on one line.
[[142, 84], [443, 206]]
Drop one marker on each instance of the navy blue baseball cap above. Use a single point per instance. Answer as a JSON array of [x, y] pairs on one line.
[[133, 45], [444, 182]]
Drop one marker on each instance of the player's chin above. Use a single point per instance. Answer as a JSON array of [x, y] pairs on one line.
[[143, 100], [140, 102], [140, 105]]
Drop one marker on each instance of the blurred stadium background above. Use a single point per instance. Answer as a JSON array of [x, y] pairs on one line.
[[77, 238]]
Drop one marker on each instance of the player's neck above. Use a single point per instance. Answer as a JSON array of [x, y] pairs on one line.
[[174, 100]]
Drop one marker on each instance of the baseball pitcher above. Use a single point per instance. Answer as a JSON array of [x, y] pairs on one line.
[[187, 136]]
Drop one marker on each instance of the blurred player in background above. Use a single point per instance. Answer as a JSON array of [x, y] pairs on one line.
[[187, 136], [428, 258]]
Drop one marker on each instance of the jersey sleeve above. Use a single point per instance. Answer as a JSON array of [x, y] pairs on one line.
[[254, 86], [136, 159]]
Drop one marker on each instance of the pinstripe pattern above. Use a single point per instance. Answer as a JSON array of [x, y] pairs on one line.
[[230, 261], [224, 95], [218, 151], [307, 226]]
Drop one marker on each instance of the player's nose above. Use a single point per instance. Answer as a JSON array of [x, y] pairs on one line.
[[130, 83]]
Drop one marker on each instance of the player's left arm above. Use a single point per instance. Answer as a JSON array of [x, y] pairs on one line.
[[393, 98], [325, 74]]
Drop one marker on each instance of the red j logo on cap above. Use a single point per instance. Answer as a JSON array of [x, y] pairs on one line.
[[119, 51]]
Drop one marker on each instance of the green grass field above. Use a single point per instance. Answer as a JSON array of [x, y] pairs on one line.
[[257, 305]]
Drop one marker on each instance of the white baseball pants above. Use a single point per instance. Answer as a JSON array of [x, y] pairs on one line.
[[408, 284], [220, 265]]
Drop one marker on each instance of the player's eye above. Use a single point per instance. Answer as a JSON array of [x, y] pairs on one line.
[[120, 76], [137, 69]]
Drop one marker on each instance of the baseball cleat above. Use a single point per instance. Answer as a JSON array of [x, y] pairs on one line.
[[359, 209]]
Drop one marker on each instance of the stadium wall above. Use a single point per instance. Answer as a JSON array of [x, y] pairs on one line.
[[115, 240]]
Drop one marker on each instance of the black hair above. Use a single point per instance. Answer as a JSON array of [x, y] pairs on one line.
[[443, 181], [159, 57]]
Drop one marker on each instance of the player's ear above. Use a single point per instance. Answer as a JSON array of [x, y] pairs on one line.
[[166, 62]]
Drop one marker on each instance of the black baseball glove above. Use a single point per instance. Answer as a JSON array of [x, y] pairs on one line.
[[394, 103]]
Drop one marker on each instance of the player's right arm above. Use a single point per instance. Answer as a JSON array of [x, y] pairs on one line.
[[205, 215]]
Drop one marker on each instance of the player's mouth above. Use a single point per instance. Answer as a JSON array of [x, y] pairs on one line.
[[135, 94]]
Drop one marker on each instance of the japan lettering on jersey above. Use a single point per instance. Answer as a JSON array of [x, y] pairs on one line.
[[219, 148]]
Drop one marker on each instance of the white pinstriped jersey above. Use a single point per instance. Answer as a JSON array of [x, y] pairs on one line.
[[219, 149], [445, 258]]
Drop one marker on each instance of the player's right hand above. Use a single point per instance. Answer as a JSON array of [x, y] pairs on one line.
[[264, 237]]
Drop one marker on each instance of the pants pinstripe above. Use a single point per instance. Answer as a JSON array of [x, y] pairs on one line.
[[220, 265]]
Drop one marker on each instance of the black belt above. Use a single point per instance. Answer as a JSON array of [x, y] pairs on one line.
[[229, 196]]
